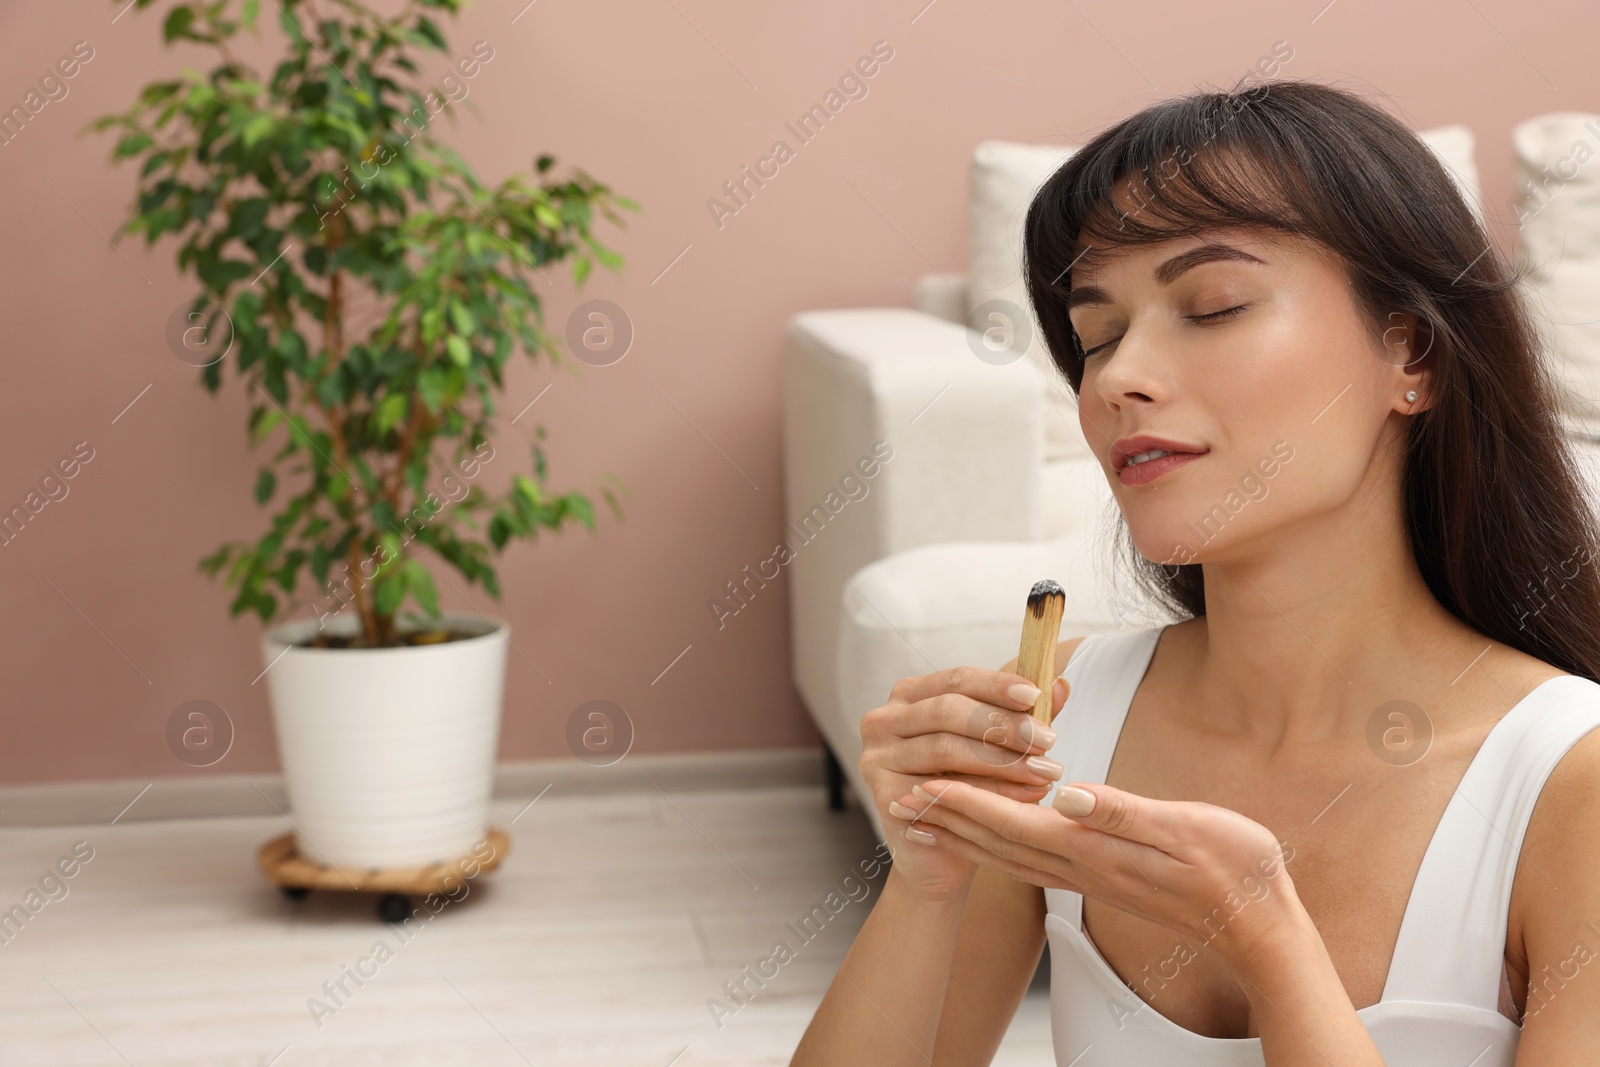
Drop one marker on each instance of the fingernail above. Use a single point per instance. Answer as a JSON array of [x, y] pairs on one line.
[[1044, 767], [900, 811], [923, 793], [1024, 694], [921, 837], [1071, 800], [1040, 734]]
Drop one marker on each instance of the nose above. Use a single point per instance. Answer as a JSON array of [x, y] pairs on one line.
[[1133, 372]]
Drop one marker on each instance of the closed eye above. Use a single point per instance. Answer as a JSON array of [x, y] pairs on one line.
[[1215, 316]]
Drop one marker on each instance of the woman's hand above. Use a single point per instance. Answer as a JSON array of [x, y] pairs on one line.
[[1193, 867], [967, 725]]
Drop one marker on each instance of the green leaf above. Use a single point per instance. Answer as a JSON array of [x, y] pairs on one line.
[[266, 482], [220, 273], [263, 420], [460, 354], [431, 385], [319, 563], [285, 575], [582, 510], [216, 561], [388, 591], [248, 216], [156, 92], [432, 322], [422, 587], [132, 145], [391, 409], [257, 128], [177, 25], [429, 32], [391, 542]]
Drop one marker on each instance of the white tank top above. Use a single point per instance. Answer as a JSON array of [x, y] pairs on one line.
[[1442, 1001]]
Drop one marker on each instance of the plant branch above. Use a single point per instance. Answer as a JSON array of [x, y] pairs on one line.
[[235, 144]]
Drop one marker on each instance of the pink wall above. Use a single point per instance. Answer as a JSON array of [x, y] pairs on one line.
[[108, 627]]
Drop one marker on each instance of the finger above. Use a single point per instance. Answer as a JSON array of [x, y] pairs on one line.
[[933, 755], [1031, 837], [991, 687], [1160, 824], [1021, 792], [950, 841], [1060, 689], [1023, 834], [1010, 736]]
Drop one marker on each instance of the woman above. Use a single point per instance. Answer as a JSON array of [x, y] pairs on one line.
[[1298, 825]]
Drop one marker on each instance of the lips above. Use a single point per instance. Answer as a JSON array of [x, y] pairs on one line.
[[1152, 469], [1125, 448]]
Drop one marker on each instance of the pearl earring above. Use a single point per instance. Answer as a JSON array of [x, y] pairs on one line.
[[1411, 397]]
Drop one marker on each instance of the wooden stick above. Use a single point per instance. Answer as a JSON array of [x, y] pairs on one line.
[[1041, 629]]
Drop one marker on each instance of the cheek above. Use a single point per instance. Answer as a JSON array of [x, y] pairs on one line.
[[1301, 412], [1287, 408]]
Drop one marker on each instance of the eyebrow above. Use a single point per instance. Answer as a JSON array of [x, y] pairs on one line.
[[1166, 273]]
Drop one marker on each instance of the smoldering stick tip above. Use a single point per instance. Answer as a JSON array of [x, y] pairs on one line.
[[1045, 587]]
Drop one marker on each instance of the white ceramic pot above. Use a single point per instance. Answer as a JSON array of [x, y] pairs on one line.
[[388, 753]]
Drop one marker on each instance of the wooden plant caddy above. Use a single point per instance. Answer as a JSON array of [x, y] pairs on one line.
[[296, 876]]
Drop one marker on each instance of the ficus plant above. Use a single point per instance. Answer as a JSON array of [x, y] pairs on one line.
[[316, 194]]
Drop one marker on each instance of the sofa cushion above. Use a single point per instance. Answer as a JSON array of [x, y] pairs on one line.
[[1077, 497], [1558, 235], [1003, 178], [938, 606], [1455, 145]]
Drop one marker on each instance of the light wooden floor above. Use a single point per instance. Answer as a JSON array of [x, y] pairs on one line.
[[599, 941]]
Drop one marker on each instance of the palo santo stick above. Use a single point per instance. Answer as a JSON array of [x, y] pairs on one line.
[[1041, 629]]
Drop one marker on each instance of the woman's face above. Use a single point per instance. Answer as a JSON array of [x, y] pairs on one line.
[[1247, 349]]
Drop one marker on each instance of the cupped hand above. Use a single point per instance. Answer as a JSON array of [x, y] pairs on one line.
[[1193, 867], [965, 725]]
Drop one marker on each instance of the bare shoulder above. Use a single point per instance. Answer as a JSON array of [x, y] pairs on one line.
[[1556, 895], [1065, 649], [1522, 671], [1568, 810]]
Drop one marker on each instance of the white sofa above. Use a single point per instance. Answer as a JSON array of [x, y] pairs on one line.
[[923, 560]]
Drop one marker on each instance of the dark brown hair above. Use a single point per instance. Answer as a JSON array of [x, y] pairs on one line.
[[1492, 494]]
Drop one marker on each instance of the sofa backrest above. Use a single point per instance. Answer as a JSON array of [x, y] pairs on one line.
[[1557, 209]]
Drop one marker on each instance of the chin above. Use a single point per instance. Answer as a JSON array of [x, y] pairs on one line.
[[1167, 543]]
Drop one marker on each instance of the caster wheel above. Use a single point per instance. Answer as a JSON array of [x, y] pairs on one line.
[[294, 892], [394, 907]]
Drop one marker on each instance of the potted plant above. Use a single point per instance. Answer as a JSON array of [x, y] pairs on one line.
[[307, 199]]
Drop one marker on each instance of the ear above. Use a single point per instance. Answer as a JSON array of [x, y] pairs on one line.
[[1408, 348]]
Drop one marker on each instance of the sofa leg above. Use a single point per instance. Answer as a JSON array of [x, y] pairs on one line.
[[835, 775]]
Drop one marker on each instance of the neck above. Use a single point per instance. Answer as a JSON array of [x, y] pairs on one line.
[[1304, 641]]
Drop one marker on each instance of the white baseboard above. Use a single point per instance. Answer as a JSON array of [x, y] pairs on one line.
[[238, 795]]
